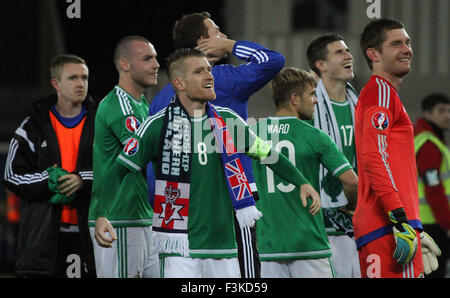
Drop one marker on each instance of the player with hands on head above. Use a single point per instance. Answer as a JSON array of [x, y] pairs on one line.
[[194, 231], [234, 85]]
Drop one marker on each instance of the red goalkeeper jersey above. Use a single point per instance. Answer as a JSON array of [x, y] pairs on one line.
[[387, 175]]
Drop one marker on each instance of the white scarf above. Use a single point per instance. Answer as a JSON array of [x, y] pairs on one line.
[[325, 120]]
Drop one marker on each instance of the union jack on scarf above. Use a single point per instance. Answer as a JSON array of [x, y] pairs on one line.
[[240, 194]]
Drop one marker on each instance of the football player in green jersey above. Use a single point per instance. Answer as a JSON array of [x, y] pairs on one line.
[[193, 209], [330, 58], [119, 115], [293, 243]]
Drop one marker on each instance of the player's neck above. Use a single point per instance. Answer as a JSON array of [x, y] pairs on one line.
[[393, 79], [282, 112], [335, 89], [131, 88], [193, 108], [68, 109]]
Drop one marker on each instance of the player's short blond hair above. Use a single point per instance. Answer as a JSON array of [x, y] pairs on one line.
[[59, 61], [290, 80], [176, 62]]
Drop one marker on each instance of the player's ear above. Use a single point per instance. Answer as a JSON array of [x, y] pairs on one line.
[[178, 83], [320, 65], [124, 65], [294, 99], [55, 83], [373, 54]]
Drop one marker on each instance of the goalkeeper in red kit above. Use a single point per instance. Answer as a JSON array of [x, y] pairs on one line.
[[386, 222]]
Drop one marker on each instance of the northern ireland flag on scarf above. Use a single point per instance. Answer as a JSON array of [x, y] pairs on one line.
[[172, 185], [171, 217], [171, 206]]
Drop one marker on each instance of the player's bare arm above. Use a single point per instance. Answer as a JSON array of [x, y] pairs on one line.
[[350, 186]]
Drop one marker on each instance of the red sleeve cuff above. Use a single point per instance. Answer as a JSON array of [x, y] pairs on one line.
[[390, 202]]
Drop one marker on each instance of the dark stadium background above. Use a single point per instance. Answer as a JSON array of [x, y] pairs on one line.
[[93, 37]]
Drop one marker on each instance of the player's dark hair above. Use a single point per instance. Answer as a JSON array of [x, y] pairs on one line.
[[317, 50], [122, 46], [59, 61], [188, 30], [430, 101], [178, 56], [290, 80], [374, 35]]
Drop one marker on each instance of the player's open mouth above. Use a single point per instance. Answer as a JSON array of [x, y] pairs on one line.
[[348, 66], [208, 86]]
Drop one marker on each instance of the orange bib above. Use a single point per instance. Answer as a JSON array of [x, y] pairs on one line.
[[69, 143]]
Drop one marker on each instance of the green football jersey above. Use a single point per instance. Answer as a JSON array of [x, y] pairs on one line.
[[343, 115], [287, 231], [118, 117], [211, 221], [332, 185]]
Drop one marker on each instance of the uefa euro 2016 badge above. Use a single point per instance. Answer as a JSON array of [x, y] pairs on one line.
[[132, 124], [131, 147], [380, 121]]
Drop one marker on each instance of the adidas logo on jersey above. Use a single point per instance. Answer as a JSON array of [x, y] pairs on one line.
[[44, 144]]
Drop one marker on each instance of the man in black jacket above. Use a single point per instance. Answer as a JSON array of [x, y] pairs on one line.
[[49, 166]]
